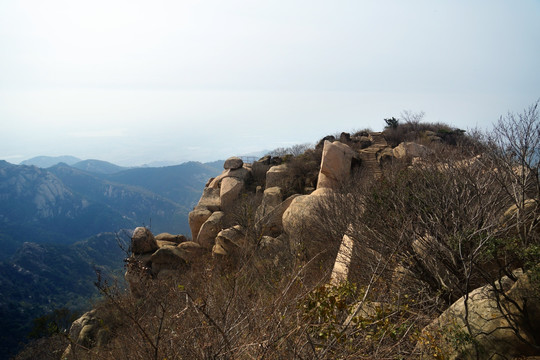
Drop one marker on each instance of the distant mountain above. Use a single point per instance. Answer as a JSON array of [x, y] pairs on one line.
[[98, 166], [137, 204], [37, 206], [48, 161], [42, 277], [46, 215], [180, 183], [63, 204]]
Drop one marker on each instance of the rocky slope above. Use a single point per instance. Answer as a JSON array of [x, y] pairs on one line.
[[373, 245]]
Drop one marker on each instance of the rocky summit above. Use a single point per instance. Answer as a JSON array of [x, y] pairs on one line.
[[415, 242]]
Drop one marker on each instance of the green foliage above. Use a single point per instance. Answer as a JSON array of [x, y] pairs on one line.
[[57, 322], [391, 123], [326, 307]]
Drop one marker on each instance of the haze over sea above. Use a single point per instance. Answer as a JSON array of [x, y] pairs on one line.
[[134, 82]]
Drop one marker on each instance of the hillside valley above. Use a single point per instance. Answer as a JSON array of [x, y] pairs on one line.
[[58, 224]]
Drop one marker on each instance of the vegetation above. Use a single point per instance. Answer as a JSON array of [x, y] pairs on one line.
[[423, 237]]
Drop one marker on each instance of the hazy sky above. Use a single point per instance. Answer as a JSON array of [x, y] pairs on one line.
[[137, 81]]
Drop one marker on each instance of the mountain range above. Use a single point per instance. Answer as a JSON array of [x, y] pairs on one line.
[[58, 224]]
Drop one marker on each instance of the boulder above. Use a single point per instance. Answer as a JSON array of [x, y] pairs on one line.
[[276, 176], [335, 164], [167, 257], [190, 251], [210, 199], [269, 214], [210, 229], [407, 150], [340, 272], [272, 197], [363, 142], [241, 173], [300, 216], [231, 188], [229, 241], [260, 168], [162, 243], [320, 144], [492, 323], [172, 238], [385, 156], [196, 218], [233, 163], [87, 332], [143, 241]]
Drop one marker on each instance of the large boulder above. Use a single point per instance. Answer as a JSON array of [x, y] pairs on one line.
[[172, 238], [269, 214], [233, 163], [196, 218], [335, 164], [301, 216], [143, 241], [87, 332], [190, 251], [242, 173], [231, 188], [277, 176], [410, 150], [494, 319], [230, 241], [210, 229], [210, 199], [272, 197], [167, 258]]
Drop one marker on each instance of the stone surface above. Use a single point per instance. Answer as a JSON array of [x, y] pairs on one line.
[[209, 230], [210, 199], [340, 272], [167, 257], [233, 163], [85, 332], [196, 218], [491, 330], [410, 150], [300, 215], [242, 173], [162, 243], [143, 241], [269, 215], [276, 176], [335, 164], [172, 238], [229, 241], [272, 197], [385, 156], [231, 188], [190, 251]]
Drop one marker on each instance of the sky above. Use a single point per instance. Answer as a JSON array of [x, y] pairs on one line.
[[135, 81]]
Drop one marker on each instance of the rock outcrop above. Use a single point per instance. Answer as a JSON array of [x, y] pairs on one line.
[[229, 241], [498, 323], [87, 332], [143, 241], [335, 165], [209, 230]]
